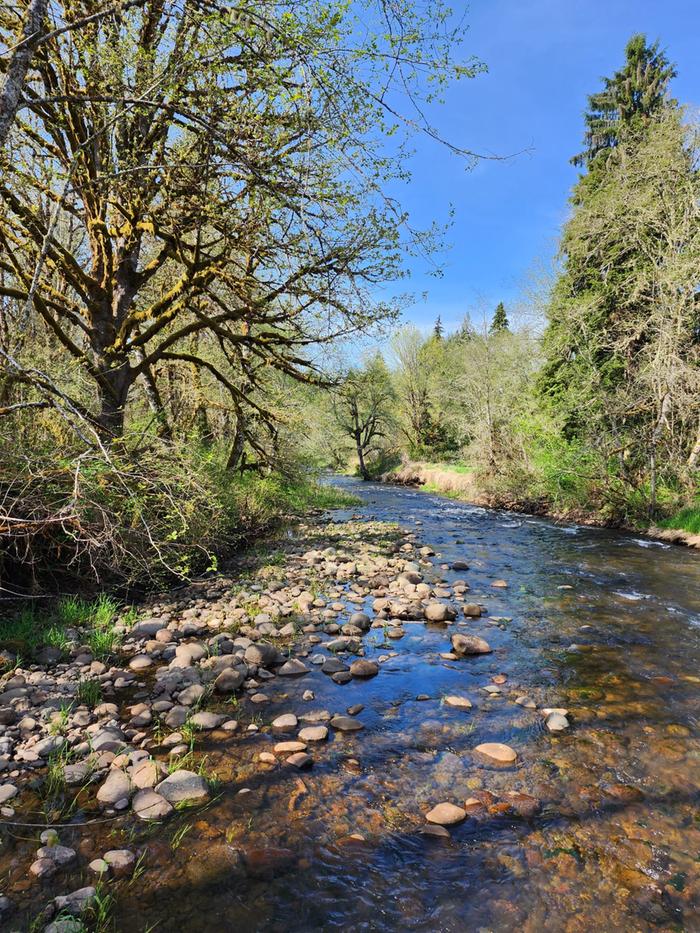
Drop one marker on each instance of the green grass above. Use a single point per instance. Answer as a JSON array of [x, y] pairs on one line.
[[277, 494], [31, 630], [445, 493], [685, 520], [89, 693], [35, 628]]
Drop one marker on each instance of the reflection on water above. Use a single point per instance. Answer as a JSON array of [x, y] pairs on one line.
[[600, 623]]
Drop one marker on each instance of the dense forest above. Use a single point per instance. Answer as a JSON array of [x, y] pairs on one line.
[[588, 400]]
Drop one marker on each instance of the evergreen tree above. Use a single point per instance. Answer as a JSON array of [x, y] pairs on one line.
[[634, 93], [500, 320], [622, 370], [466, 330], [438, 330], [585, 311]]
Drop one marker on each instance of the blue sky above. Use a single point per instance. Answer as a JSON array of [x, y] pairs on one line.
[[543, 58]]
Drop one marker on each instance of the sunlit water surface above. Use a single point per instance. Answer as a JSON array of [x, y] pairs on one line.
[[601, 623]]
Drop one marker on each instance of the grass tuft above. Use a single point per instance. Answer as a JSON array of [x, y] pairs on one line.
[[33, 629], [685, 520]]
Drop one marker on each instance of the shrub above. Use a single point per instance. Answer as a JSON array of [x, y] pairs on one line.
[[135, 517]]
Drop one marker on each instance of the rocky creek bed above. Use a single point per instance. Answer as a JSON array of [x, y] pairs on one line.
[[454, 724]]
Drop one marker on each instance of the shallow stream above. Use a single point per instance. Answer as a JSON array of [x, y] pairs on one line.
[[600, 623]]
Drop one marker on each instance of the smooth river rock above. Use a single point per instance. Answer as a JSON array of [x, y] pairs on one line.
[[346, 724], [183, 785], [497, 752], [364, 668], [446, 814], [458, 702], [469, 644]]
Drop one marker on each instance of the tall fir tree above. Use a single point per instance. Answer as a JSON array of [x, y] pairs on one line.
[[500, 320], [621, 368], [438, 329], [634, 94], [584, 312]]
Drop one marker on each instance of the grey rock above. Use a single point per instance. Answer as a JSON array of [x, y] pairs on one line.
[[206, 720], [116, 787], [183, 786], [364, 668], [261, 653], [346, 724], [469, 644], [149, 805], [121, 861], [287, 722], [229, 681], [75, 903], [439, 612], [190, 695], [293, 667], [108, 740], [7, 792]]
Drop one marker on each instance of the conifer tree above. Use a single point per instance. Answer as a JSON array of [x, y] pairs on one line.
[[500, 320], [633, 94]]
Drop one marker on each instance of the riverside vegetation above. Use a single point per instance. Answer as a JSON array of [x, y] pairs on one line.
[[586, 399]]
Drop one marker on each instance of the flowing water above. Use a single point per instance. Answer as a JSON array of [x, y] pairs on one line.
[[601, 623]]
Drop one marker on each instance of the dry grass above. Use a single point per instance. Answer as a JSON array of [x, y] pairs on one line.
[[439, 478]]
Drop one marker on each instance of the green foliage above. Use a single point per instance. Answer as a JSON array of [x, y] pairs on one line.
[[30, 630], [686, 520], [499, 322], [170, 513], [45, 626], [636, 92], [146, 376], [97, 613], [89, 693], [362, 407], [622, 371]]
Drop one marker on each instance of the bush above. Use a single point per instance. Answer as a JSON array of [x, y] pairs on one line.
[[166, 512]]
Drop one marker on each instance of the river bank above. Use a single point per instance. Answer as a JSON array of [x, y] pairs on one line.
[[461, 484], [415, 714]]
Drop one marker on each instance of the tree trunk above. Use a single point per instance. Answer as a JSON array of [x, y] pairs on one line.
[[234, 457], [113, 394], [20, 60], [154, 398], [661, 422], [694, 458], [364, 472]]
